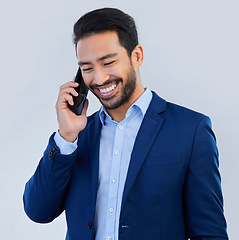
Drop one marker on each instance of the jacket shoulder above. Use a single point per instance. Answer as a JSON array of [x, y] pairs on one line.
[[184, 111], [177, 115], [160, 105]]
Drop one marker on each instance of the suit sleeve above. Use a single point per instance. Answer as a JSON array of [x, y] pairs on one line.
[[45, 191], [202, 195]]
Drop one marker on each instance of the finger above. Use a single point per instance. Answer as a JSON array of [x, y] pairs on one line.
[[71, 84], [69, 90], [67, 98]]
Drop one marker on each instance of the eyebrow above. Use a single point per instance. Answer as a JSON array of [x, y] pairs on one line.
[[99, 59]]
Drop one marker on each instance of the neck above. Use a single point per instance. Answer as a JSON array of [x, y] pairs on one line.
[[119, 113]]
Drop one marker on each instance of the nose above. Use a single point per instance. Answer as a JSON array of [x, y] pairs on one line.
[[100, 75]]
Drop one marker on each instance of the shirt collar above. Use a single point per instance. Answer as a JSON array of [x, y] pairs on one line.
[[142, 103]]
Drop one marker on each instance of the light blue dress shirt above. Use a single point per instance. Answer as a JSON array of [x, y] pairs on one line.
[[116, 145]]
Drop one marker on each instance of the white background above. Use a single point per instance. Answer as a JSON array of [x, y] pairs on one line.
[[191, 58]]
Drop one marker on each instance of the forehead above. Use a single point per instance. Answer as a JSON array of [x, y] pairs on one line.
[[97, 45]]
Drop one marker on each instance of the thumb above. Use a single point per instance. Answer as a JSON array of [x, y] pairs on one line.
[[85, 107]]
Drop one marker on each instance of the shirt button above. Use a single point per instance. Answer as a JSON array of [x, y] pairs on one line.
[[116, 152], [121, 126], [114, 180], [111, 210], [110, 238]]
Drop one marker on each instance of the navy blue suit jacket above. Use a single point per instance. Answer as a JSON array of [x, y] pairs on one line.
[[172, 189]]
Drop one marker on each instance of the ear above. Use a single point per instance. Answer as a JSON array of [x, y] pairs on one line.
[[137, 56]]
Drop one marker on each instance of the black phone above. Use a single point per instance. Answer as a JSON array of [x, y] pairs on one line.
[[82, 89]]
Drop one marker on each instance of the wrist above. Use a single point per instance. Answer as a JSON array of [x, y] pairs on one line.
[[69, 137]]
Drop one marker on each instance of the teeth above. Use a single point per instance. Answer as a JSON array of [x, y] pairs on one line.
[[108, 89]]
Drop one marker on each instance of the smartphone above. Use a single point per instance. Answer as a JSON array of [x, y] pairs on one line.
[[82, 89]]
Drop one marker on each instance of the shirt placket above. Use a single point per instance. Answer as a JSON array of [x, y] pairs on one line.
[[114, 182]]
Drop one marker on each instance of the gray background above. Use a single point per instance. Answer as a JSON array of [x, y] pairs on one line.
[[191, 58]]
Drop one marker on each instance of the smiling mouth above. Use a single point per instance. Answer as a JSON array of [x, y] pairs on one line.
[[107, 89]]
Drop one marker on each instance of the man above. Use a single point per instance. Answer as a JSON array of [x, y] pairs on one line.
[[140, 168]]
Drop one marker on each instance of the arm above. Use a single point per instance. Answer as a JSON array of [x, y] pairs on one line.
[[45, 191], [202, 195]]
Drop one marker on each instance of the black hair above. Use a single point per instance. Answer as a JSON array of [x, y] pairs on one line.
[[107, 19]]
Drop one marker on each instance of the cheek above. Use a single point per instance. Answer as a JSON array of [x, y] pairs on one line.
[[88, 78], [120, 71], [114, 70]]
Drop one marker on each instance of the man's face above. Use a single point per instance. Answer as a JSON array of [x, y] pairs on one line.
[[107, 69]]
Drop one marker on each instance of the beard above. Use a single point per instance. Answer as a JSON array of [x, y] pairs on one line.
[[124, 93]]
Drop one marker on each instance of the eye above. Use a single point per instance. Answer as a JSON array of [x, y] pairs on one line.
[[86, 69], [109, 63]]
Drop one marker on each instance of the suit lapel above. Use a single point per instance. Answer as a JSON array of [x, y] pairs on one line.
[[149, 129], [94, 146]]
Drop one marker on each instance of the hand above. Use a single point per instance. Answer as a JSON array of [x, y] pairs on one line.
[[70, 124]]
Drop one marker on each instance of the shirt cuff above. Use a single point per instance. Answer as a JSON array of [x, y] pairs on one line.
[[65, 147]]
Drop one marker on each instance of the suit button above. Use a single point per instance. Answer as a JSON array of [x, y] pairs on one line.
[[89, 225], [51, 153]]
